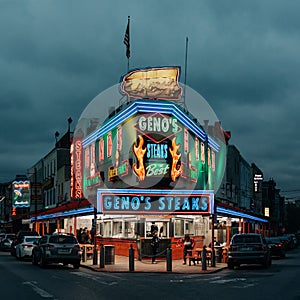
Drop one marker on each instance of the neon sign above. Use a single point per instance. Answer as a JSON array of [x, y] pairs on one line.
[[155, 201], [157, 127], [21, 193], [152, 83], [76, 169]]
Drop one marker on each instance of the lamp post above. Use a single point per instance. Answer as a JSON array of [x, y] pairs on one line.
[[95, 252]]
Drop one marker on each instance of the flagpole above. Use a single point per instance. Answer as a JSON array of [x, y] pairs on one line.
[[185, 70], [129, 44]]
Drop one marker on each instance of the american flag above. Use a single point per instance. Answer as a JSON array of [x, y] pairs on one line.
[[127, 40]]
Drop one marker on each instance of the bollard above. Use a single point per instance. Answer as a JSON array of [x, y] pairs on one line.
[[204, 267], [95, 256], [219, 255], [84, 253], [101, 256], [169, 260], [213, 258], [131, 259]]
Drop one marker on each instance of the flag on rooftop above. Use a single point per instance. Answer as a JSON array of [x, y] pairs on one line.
[[127, 39]]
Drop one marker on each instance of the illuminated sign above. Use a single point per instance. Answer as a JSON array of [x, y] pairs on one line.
[[152, 83], [157, 127], [76, 168], [155, 201], [256, 180], [120, 170], [21, 193], [159, 151]]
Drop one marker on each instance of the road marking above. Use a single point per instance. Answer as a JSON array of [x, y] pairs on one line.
[[97, 279], [222, 281], [38, 290]]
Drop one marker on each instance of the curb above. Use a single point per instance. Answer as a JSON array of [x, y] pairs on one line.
[[97, 269]]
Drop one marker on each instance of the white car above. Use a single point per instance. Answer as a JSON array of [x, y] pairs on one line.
[[24, 249]]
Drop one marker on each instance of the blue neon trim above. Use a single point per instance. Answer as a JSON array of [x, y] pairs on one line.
[[239, 214], [149, 107], [63, 214]]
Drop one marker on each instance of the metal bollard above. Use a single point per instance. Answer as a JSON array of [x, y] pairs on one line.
[[204, 266], [213, 258], [84, 253], [169, 260], [131, 258], [101, 256], [95, 256]]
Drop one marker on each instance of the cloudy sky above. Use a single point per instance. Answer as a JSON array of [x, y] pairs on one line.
[[243, 58]]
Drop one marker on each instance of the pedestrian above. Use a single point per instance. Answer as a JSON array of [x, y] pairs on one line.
[[92, 233], [188, 244], [84, 236], [153, 228], [154, 245]]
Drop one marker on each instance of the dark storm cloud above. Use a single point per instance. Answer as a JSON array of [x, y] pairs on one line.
[[56, 56]]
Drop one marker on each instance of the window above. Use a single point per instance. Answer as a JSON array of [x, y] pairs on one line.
[[107, 229], [182, 227]]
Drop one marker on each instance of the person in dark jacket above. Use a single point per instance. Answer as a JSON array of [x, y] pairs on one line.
[[154, 245], [187, 243]]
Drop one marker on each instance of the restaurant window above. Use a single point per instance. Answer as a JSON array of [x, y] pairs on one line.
[[107, 228], [129, 231], [163, 228], [182, 227], [117, 229]]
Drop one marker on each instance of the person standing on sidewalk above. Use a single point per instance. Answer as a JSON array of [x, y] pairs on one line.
[[187, 243], [154, 245]]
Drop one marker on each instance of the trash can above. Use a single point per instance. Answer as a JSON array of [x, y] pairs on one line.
[[109, 254]]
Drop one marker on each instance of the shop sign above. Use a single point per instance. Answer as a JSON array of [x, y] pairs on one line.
[[21, 193], [155, 202], [121, 170], [152, 83], [157, 127]]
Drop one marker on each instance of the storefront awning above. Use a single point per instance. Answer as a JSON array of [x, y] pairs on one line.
[[69, 209]]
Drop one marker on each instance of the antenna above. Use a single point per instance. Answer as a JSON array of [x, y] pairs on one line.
[[185, 71]]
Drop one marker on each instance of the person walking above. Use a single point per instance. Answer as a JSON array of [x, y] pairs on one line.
[[154, 245]]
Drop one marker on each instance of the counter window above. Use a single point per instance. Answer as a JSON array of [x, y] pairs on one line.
[[182, 227]]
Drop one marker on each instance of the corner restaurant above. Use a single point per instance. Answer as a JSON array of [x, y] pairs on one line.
[[151, 162]]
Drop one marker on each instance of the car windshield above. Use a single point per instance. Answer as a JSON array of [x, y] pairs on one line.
[[273, 240], [246, 239], [10, 236], [31, 239], [62, 239]]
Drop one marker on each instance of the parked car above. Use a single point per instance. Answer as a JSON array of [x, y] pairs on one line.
[[248, 248], [24, 249], [276, 247], [286, 241], [57, 248], [19, 238], [293, 239], [6, 242], [2, 235]]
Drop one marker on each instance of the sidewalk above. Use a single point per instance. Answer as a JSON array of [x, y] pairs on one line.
[[122, 265]]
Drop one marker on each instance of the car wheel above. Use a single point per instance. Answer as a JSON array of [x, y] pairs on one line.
[[76, 265], [230, 266], [33, 260], [267, 263], [42, 261]]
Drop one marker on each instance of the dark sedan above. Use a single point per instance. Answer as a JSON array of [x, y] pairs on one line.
[[276, 246], [5, 244]]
